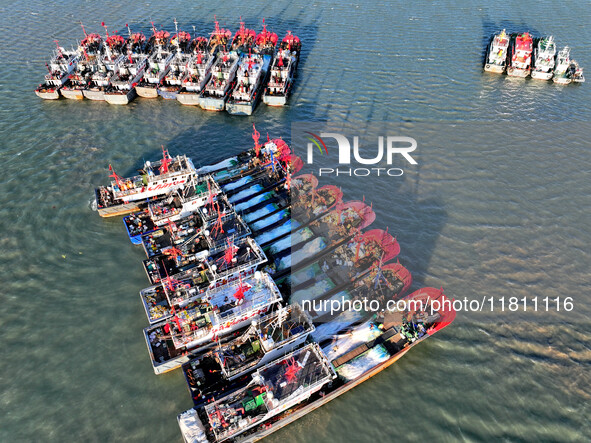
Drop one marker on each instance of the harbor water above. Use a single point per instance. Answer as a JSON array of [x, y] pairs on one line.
[[496, 207]]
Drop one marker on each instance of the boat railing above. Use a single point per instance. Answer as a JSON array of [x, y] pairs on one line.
[[256, 257]]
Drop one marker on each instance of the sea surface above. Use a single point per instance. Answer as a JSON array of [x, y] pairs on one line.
[[497, 207]]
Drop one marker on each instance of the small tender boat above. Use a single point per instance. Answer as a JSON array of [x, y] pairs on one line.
[[562, 72], [544, 55], [158, 66], [576, 72], [126, 195], [250, 79], [214, 95], [496, 59], [212, 315], [59, 69], [283, 71], [520, 61], [197, 73]]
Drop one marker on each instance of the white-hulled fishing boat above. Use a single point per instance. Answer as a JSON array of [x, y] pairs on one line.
[[562, 73], [213, 314], [128, 72], [496, 59], [283, 71], [61, 65], [544, 55], [77, 81], [125, 195], [250, 79], [197, 73], [158, 66], [172, 81], [214, 95]]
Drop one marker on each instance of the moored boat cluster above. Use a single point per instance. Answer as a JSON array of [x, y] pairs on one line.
[[240, 256], [521, 55], [222, 71]]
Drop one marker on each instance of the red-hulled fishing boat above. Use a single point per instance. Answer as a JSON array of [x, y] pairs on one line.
[[521, 55]]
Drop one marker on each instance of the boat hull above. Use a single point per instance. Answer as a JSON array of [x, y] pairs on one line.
[[188, 98], [495, 69], [562, 80], [48, 95], [212, 104], [168, 95], [73, 94], [275, 100], [240, 108], [121, 98], [147, 91], [540, 75], [117, 210], [516, 72], [94, 94]]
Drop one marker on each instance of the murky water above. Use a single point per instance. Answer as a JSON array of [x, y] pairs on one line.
[[496, 207]]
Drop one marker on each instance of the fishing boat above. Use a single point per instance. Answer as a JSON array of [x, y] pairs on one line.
[[283, 71], [273, 389], [128, 73], [544, 55], [562, 72], [99, 81], [261, 407], [60, 67], [158, 65], [183, 202], [520, 61], [576, 72], [114, 49], [77, 81], [274, 335], [243, 40], [126, 195], [265, 42], [214, 95], [136, 42], [218, 39], [223, 250], [496, 59], [197, 74], [172, 82], [250, 79], [209, 317]]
